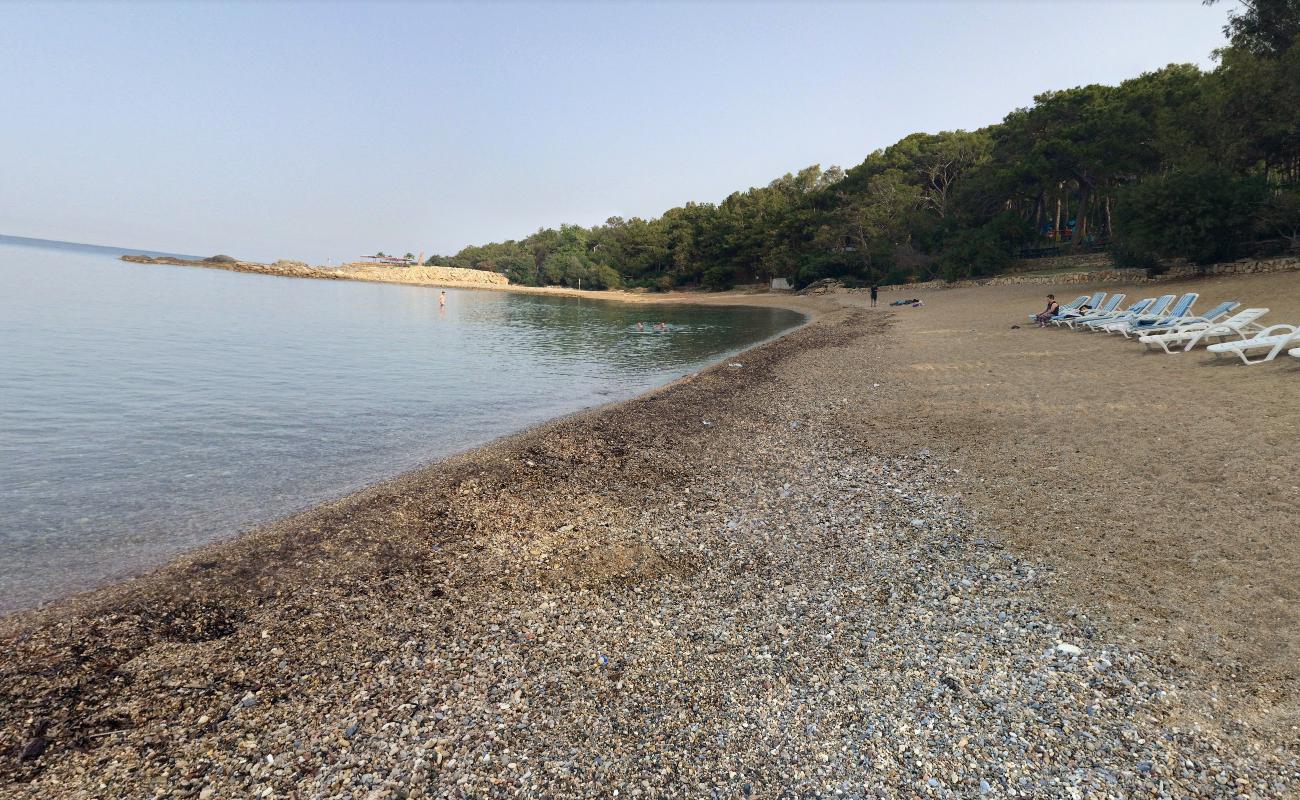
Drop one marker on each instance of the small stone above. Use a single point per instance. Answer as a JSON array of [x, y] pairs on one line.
[[248, 701], [351, 730], [33, 749], [1068, 649]]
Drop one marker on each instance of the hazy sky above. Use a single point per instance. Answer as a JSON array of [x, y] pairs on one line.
[[322, 130]]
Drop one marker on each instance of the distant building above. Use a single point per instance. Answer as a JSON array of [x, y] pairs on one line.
[[780, 284], [391, 261]]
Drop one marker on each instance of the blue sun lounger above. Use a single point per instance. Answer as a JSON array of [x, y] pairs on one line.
[[1072, 305], [1091, 303], [1156, 307], [1107, 309], [1146, 322], [1213, 315]]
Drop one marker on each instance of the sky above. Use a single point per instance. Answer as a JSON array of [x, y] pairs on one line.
[[322, 131]]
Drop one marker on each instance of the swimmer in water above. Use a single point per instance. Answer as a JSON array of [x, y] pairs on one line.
[[640, 326], [442, 299]]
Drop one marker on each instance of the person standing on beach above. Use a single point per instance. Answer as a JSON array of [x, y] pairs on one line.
[[875, 292]]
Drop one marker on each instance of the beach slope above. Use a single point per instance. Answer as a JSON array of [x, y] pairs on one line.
[[779, 576]]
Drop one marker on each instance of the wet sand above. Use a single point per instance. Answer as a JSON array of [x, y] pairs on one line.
[[895, 552]]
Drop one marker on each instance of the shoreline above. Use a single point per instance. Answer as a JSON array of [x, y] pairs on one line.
[[402, 276], [200, 596], [15, 619], [666, 593]]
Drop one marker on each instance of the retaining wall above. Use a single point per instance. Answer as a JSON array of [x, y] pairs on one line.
[[1115, 275]]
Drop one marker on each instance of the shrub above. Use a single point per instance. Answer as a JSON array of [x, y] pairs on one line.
[[973, 253], [1204, 215], [1128, 254], [718, 277]]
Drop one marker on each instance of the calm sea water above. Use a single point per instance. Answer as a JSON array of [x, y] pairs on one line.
[[145, 410]]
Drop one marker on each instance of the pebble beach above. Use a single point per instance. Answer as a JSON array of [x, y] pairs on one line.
[[735, 586]]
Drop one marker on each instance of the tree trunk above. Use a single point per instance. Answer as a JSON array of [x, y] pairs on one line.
[[1110, 231], [1056, 231], [1081, 216]]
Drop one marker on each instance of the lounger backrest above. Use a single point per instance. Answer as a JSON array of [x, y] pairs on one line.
[[1065, 311], [1162, 302], [1246, 317], [1096, 299], [1141, 305], [1112, 303], [1184, 305], [1220, 310]]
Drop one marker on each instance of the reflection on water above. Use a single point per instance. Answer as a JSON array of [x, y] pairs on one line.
[[150, 409]]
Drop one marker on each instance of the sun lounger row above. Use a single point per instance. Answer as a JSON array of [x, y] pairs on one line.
[[1167, 322]]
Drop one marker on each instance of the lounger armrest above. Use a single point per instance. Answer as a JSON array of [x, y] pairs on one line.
[[1272, 329]]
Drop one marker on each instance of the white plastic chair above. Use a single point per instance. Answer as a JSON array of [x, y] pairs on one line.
[[1185, 337], [1273, 340]]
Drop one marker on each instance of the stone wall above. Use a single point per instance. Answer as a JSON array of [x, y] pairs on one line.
[[1083, 262], [1115, 275]]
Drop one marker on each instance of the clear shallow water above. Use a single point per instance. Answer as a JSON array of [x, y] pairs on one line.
[[146, 410]]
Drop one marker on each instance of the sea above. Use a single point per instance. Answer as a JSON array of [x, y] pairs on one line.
[[146, 410]]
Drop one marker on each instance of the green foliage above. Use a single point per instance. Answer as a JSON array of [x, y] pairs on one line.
[[986, 250], [1203, 215], [1263, 26], [572, 266], [1280, 217], [1128, 253]]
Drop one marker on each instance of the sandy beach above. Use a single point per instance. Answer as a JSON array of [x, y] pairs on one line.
[[895, 553], [450, 278]]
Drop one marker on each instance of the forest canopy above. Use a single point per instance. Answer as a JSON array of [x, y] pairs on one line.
[[1175, 163]]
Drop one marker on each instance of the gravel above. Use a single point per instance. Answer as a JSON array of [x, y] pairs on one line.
[[631, 603]]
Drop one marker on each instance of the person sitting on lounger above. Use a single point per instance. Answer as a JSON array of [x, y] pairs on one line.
[[1052, 308]]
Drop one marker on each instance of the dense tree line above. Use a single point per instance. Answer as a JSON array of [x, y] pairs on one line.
[[1176, 163]]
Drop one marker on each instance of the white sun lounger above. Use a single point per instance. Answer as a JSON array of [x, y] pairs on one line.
[[1272, 340], [1185, 337]]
